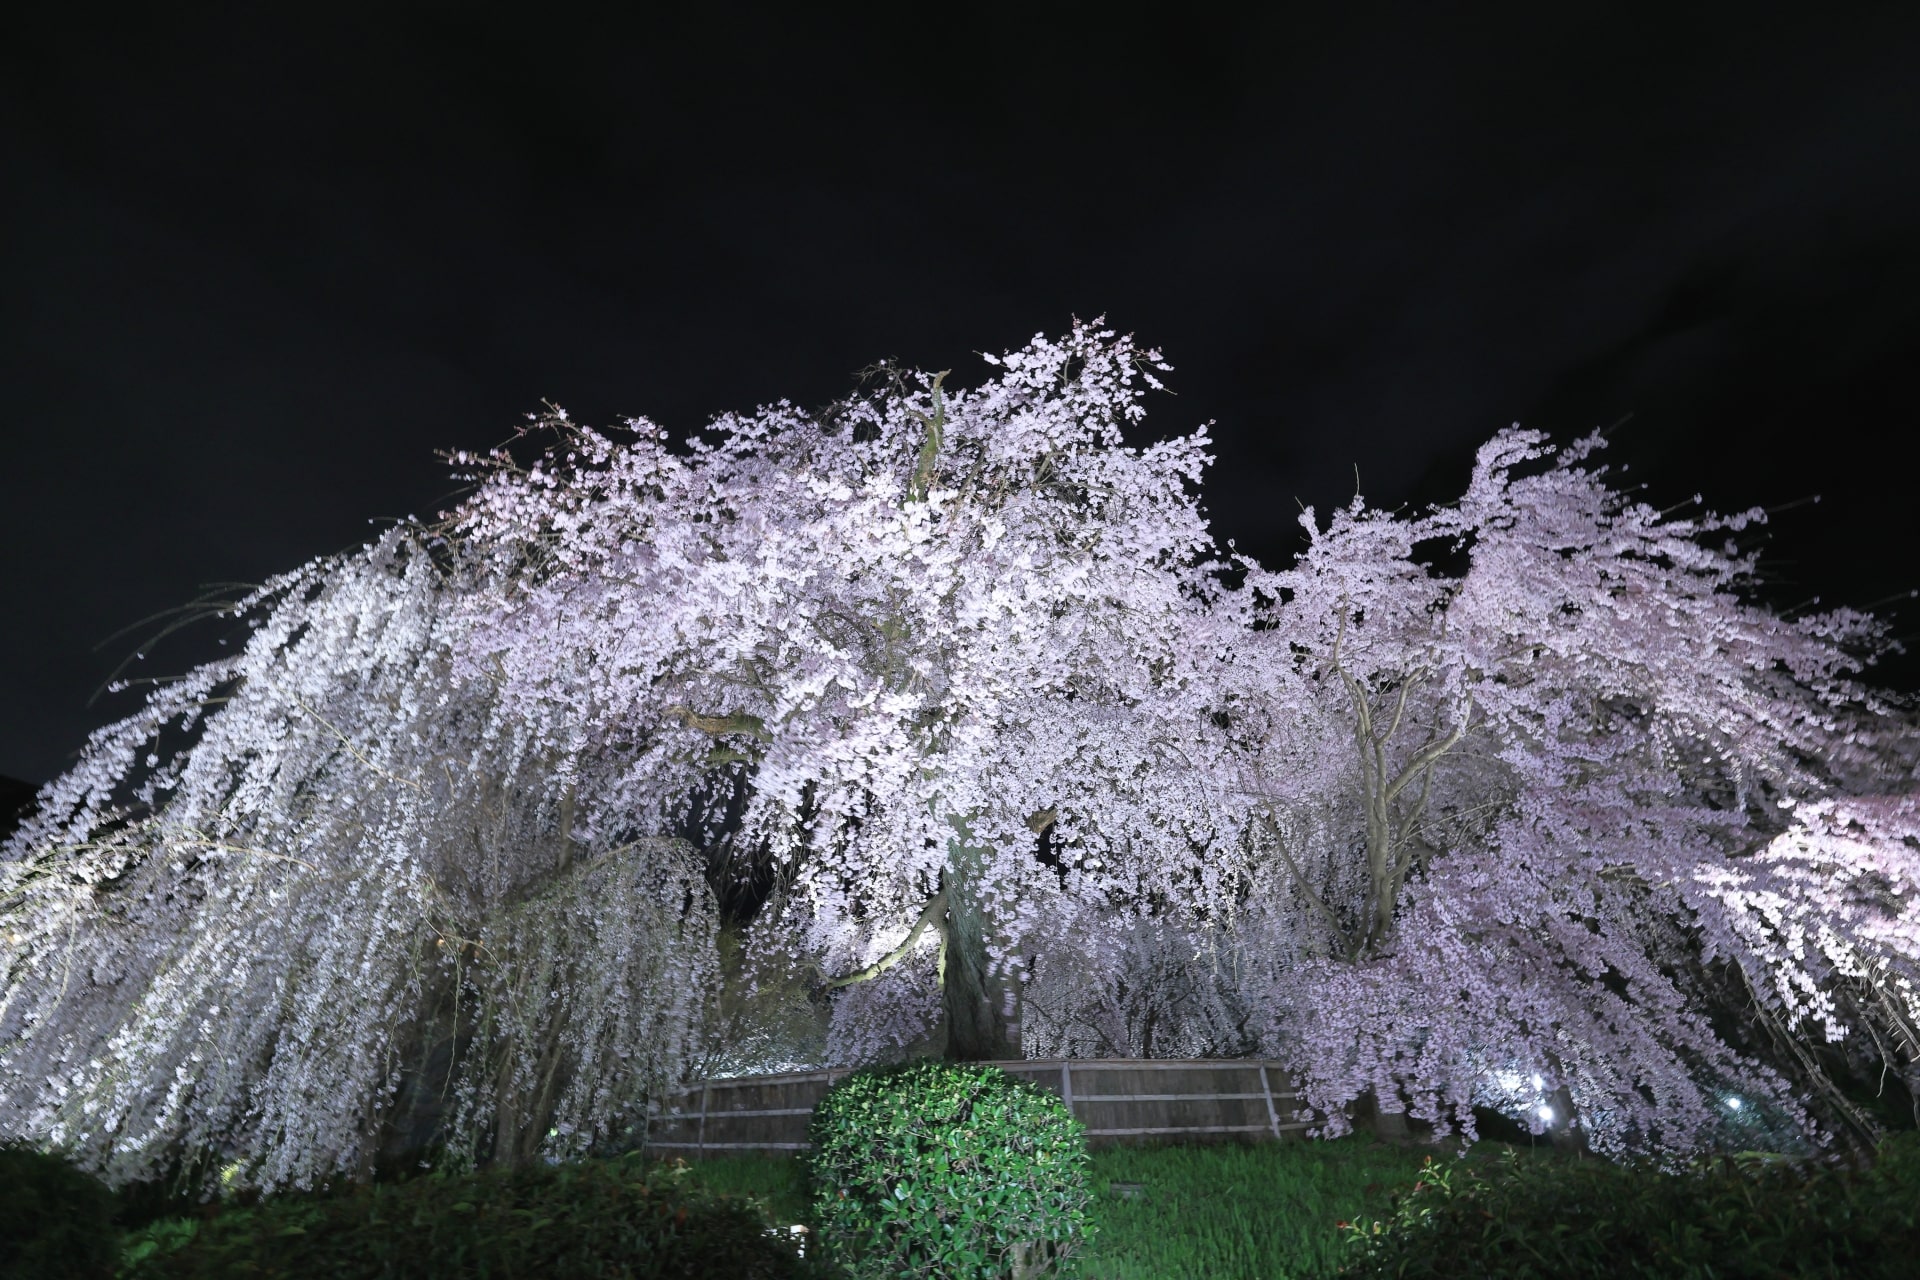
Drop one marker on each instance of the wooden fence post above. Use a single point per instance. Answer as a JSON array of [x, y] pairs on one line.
[[1266, 1087]]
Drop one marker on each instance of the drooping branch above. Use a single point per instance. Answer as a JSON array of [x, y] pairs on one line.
[[347, 742]]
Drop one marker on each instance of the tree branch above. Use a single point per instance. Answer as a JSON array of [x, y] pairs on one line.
[[717, 726], [1430, 753], [922, 478], [935, 908], [1326, 912], [348, 743]]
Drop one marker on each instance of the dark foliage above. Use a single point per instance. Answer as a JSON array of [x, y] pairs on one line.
[[56, 1222], [1739, 1218], [600, 1219]]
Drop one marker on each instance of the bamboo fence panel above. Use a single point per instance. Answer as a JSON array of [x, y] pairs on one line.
[[1120, 1100]]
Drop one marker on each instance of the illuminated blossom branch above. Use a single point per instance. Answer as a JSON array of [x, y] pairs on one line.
[[1825, 921], [948, 646], [234, 954]]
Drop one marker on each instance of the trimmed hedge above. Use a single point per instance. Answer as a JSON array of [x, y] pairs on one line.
[[1763, 1219], [597, 1218], [950, 1170], [56, 1223]]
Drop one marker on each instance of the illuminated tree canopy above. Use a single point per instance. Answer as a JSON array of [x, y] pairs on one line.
[[954, 689]]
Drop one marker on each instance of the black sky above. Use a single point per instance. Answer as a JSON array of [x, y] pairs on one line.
[[254, 271]]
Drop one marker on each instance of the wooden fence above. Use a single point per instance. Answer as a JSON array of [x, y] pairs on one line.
[[1120, 1100]]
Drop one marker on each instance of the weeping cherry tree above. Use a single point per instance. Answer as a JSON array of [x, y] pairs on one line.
[[1504, 803], [1523, 819]]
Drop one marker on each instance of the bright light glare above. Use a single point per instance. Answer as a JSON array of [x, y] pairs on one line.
[[1538, 1083], [1546, 1113], [1734, 1103]]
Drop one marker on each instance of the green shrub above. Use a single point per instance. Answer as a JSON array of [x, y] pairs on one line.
[[1572, 1219], [55, 1221], [951, 1170], [596, 1218]]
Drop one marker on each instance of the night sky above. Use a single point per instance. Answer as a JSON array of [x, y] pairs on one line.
[[253, 276]]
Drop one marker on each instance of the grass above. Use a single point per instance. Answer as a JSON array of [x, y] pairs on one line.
[[1267, 1212]]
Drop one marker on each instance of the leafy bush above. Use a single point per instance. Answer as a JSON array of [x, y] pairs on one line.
[[55, 1221], [1571, 1219], [951, 1170], [595, 1218]]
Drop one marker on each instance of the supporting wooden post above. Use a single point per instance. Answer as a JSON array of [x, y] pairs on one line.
[[1273, 1116]]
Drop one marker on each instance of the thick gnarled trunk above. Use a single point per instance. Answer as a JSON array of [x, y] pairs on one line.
[[975, 1025], [973, 1000]]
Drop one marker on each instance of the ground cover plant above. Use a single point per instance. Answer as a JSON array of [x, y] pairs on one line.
[[1348, 1207], [1229, 1210], [1223, 1212], [1363, 1210]]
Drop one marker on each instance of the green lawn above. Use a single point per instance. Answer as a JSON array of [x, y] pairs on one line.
[[1263, 1212]]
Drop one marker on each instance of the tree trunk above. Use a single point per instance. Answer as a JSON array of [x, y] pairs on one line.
[[1565, 1130], [974, 1001]]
